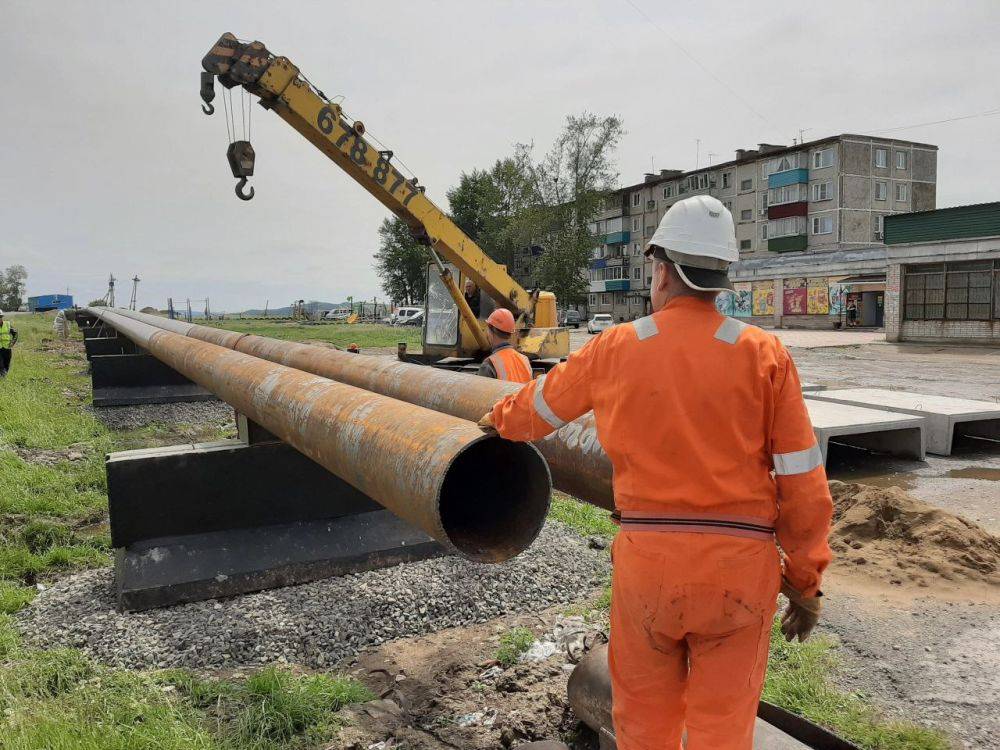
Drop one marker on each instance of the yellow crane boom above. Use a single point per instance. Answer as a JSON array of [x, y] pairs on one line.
[[283, 90]]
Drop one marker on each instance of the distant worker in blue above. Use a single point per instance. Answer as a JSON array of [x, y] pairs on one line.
[[8, 337]]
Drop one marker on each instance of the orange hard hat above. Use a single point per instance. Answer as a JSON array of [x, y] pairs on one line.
[[502, 319]]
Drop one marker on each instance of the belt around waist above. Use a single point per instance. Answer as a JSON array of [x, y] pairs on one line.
[[690, 523]]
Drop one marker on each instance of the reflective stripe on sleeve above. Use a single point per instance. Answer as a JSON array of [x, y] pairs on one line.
[[798, 462], [542, 408], [645, 327], [730, 330], [498, 366]]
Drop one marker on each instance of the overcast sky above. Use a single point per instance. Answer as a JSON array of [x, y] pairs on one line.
[[108, 165]]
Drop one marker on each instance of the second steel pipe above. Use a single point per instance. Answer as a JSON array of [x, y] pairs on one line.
[[481, 496], [578, 463]]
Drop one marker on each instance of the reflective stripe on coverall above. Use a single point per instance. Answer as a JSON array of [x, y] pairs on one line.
[[695, 411], [509, 364]]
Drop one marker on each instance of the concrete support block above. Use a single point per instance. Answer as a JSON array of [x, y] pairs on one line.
[[871, 429], [945, 418], [121, 379], [218, 519]]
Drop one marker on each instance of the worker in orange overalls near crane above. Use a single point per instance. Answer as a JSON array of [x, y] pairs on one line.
[[505, 362], [714, 461]]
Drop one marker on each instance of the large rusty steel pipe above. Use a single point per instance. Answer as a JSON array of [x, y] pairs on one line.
[[479, 495], [578, 463]]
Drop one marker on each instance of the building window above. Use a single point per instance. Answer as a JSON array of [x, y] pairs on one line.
[[746, 244], [635, 225], [636, 274], [900, 160], [649, 281], [727, 179], [823, 158], [765, 201], [881, 158], [879, 227], [901, 192], [605, 299], [822, 225], [746, 214], [668, 191], [636, 200], [728, 205], [702, 181], [593, 300], [881, 191], [746, 184], [792, 225], [951, 291], [763, 231], [783, 195], [821, 191], [635, 248], [649, 230], [783, 164]]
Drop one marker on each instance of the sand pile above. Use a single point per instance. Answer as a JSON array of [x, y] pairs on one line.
[[891, 535]]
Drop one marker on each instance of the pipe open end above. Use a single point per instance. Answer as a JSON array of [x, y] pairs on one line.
[[494, 499]]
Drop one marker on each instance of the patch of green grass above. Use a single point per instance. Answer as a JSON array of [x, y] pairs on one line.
[[584, 518], [13, 597], [365, 335], [59, 700], [798, 680], [513, 643]]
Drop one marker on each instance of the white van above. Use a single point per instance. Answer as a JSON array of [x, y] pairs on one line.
[[402, 314]]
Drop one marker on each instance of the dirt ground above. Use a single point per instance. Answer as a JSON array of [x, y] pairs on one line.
[[447, 690]]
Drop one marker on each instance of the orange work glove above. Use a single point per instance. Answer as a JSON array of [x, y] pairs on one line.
[[801, 615]]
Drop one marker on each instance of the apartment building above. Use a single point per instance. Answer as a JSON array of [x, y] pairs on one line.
[[824, 196]]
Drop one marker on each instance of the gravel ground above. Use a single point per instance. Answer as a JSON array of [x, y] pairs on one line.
[[142, 415], [930, 661], [317, 624]]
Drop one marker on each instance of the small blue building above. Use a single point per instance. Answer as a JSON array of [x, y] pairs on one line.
[[46, 302]]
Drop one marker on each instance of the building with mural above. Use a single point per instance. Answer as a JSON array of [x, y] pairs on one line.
[[809, 218]]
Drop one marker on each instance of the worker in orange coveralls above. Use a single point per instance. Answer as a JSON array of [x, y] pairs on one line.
[[714, 461], [504, 362]]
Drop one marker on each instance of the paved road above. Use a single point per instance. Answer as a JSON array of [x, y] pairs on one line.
[[793, 338]]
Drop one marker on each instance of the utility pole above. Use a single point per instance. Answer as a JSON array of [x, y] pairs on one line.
[[190, 317], [697, 153], [109, 296], [170, 309], [135, 289], [266, 303], [208, 310]]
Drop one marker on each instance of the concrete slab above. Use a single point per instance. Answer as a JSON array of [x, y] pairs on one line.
[[872, 429], [946, 417]]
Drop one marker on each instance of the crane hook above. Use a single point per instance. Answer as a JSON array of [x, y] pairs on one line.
[[239, 190], [208, 109]]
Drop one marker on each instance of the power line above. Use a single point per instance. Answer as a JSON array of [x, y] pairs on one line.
[[704, 68], [988, 113]]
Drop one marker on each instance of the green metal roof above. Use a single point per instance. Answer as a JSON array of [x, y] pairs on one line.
[[960, 222]]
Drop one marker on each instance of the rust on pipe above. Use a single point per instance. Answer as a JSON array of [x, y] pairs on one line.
[[578, 463], [479, 495]]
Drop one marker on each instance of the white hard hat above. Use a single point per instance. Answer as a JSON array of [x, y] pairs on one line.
[[698, 236]]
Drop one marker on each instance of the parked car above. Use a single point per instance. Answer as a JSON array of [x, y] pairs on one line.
[[336, 314], [599, 323], [417, 319], [403, 314], [572, 319]]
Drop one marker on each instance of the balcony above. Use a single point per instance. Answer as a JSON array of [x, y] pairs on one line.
[[616, 285], [788, 244], [615, 238], [784, 210], [599, 263], [789, 177]]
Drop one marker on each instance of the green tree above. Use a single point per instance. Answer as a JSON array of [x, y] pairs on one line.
[[485, 203], [401, 262], [12, 287], [570, 184]]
